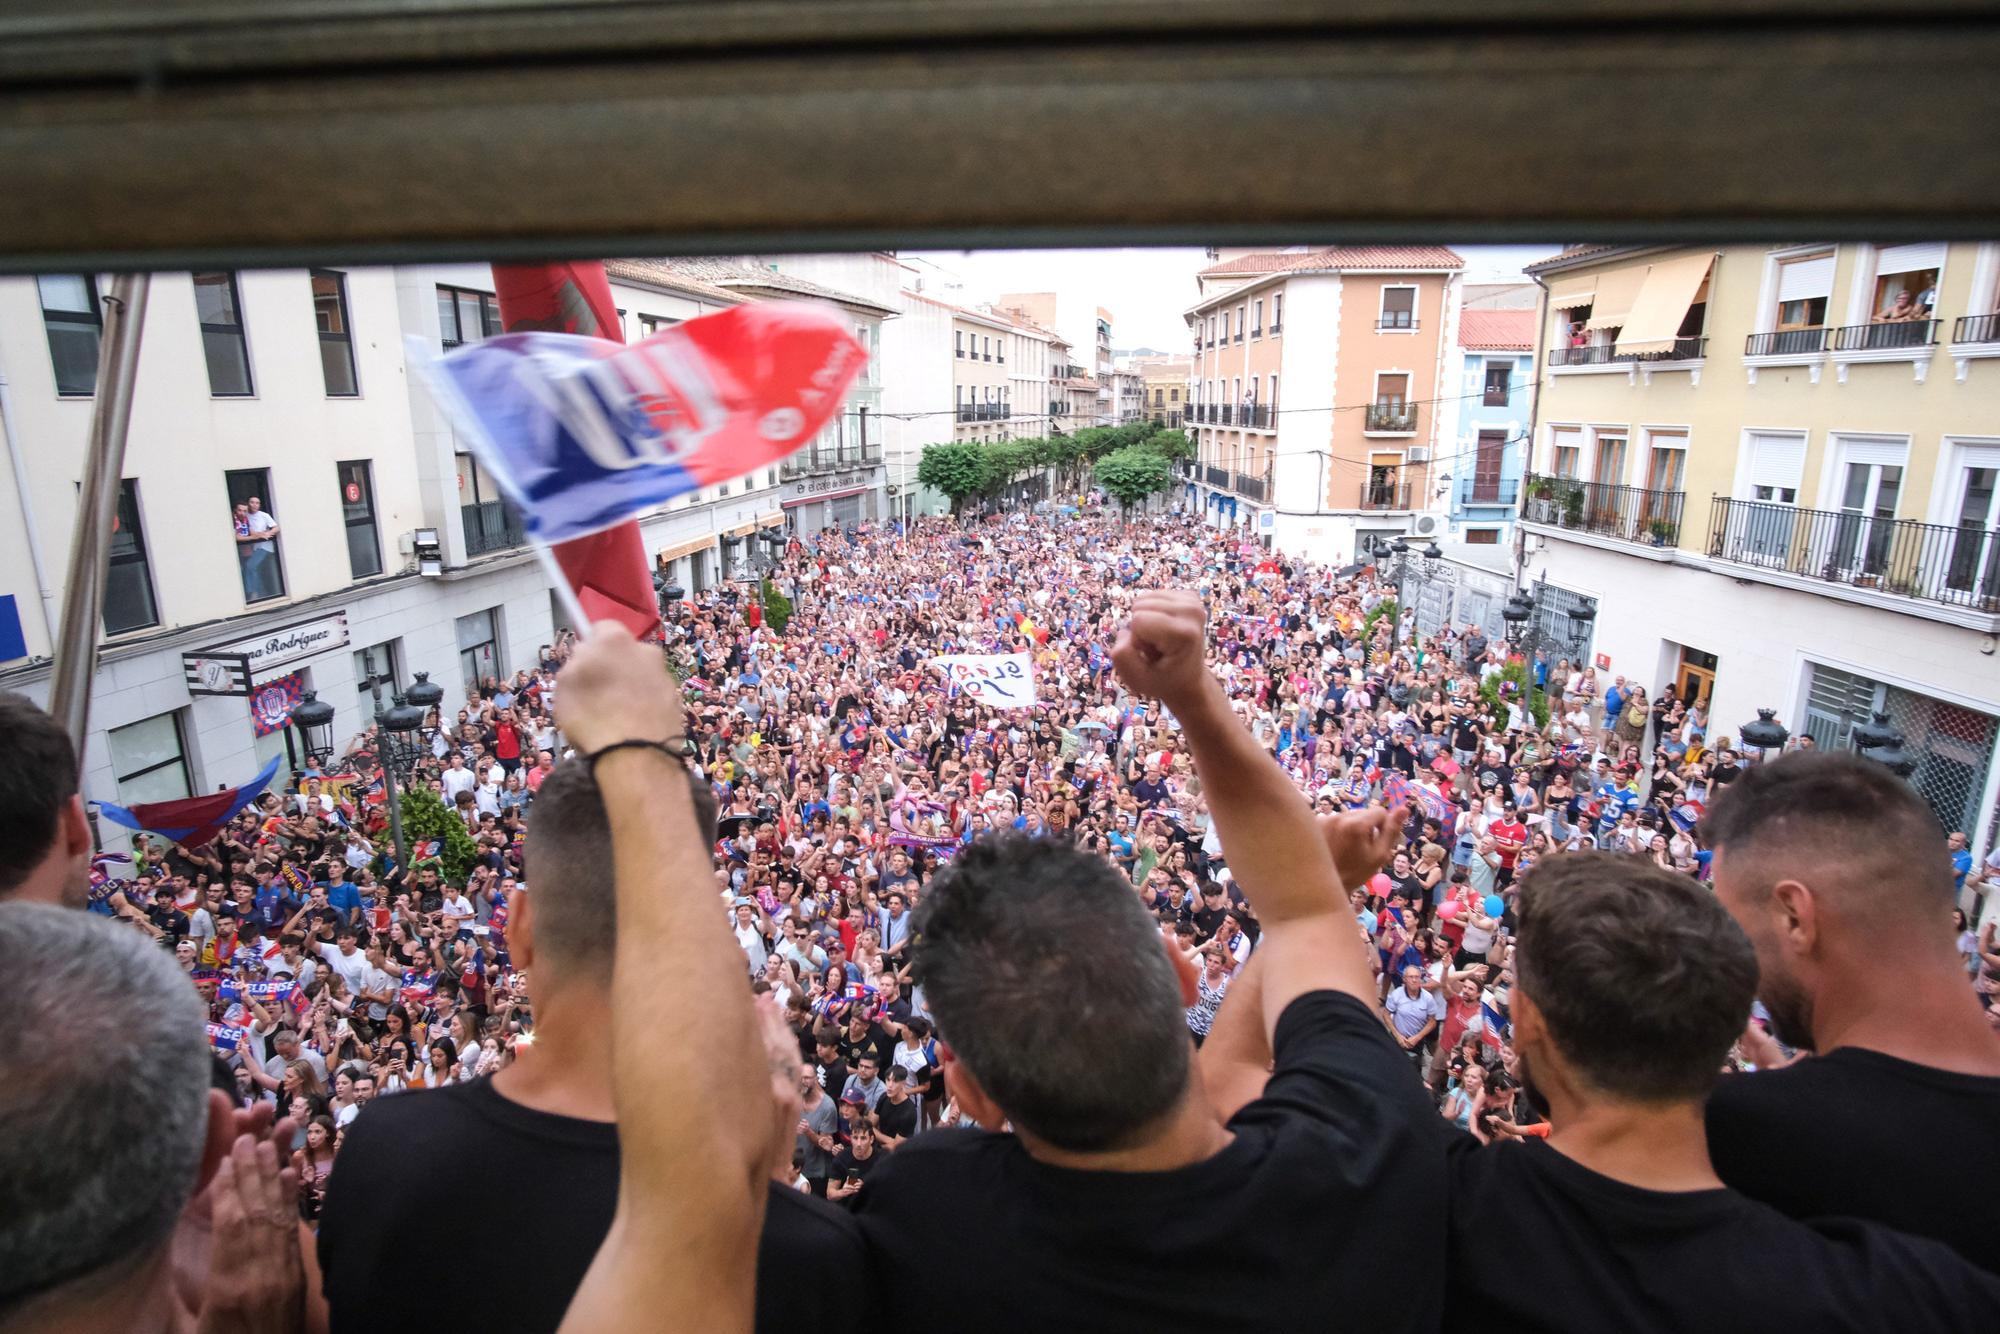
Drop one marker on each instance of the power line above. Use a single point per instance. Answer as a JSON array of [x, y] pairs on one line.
[[1277, 412]]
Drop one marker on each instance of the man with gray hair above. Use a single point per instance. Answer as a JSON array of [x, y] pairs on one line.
[[109, 1128]]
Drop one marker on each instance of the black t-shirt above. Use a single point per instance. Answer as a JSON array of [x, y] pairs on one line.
[[872, 1042], [832, 1074], [1541, 1242], [1207, 920], [1465, 733], [897, 1118], [1859, 1133], [1326, 1209], [540, 1190]]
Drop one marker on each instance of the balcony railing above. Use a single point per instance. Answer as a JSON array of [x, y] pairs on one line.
[[1607, 354], [1215, 476], [1786, 343], [1385, 495], [1931, 562], [1277, 326], [1628, 513], [1253, 486], [1873, 337], [1976, 329], [1392, 418], [1226, 414], [490, 525], [1489, 491], [1257, 416]]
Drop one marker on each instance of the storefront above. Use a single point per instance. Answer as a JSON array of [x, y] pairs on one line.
[[832, 499]]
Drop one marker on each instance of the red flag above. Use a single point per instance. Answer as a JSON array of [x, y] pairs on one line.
[[608, 570]]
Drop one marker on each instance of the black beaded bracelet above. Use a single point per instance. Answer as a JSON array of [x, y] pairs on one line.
[[676, 749]]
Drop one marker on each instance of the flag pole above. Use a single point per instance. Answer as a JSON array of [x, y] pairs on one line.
[[97, 510]]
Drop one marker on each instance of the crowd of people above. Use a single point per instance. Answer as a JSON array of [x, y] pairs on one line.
[[959, 919]]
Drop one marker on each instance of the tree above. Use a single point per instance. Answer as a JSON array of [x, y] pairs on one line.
[[958, 470], [1131, 474], [777, 607], [1170, 445], [426, 819]]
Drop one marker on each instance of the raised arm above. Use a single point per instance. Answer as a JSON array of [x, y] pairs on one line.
[[1275, 849], [696, 1129]]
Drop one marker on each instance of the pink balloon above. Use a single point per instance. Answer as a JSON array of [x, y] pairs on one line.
[[1381, 884], [1449, 909]]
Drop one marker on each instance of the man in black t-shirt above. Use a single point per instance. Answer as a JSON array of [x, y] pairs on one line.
[[533, 1152], [896, 1116], [1120, 1196], [1631, 985], [1838, 872]]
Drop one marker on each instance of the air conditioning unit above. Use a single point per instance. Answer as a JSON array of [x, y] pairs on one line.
[[1418, 454], [1427, 525]]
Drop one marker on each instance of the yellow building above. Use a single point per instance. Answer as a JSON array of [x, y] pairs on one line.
[[1774, 469], [1164, 382]]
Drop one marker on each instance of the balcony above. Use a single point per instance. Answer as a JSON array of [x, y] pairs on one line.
[[1277, 327], [1251, 486], [1225, 414], [1626, 513], [1885, 337], [1786, 343], [1495, 491], [1929, 562], [1976, 329], [1257, 416], [1385, 495], [490, 525], [1216, 477], [1391, 418], [1607, 354]]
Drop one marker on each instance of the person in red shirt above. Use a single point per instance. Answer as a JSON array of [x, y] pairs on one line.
[[507, 742], [1509, 836]]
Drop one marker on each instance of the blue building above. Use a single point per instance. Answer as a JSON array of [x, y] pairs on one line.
[[1496, 349]]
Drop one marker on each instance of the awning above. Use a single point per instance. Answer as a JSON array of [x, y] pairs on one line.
[[686, 548], [1574, 292], [1616, 291], [772, 520], [1663, 303], [740, 530]]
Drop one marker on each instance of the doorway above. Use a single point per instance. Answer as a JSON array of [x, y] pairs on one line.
[[1696, 677]]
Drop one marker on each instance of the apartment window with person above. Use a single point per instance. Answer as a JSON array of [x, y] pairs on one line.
[[466, 316], [219, 311], [128, 580], [336, 333], [479, 646], [1499, 384], [357, 512], [1399, 308], [254, 524], [149, 760], [74, 323]]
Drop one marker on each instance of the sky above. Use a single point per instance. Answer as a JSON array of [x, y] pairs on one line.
[[1146, 290]]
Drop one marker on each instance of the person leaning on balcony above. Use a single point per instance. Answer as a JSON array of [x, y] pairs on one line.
[[1903, 310]]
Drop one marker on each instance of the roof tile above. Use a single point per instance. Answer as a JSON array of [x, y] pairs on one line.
[[1497, 330]]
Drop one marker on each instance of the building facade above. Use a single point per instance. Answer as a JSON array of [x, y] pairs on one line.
[[1775, 468], [1496, 383], [1319, 393], [1163, 383], [286, 394], [982, 391]]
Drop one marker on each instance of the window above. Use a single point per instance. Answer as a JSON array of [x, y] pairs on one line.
[[1225, 326], [1804, 284], [1277, 311], [1610, 460], [1257, 319], [128, 582], [652, 324], [1666, 466], [1906, 283], [1241, 313], [149, 760], [1489, 458], [219, 310], [1566, 449], [466, 316], [257, 533], [1272, 402], [336, 336], [1399, 308], [1174, 394], [1499, 384], [75, 325], [357, 510], [958, 341], [478, 646], [384, 672], [1392, 392], [1482, 537]]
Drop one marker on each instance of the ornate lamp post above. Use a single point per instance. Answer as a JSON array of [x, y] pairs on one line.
[[1765, 734], [1882, 742]]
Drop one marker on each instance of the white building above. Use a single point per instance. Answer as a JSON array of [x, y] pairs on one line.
[[290, 386]]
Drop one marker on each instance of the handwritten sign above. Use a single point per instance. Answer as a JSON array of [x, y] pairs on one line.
[[1003, 680]]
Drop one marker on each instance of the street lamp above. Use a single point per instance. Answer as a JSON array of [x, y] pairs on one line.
[[1766, 733], [313, 717], [400, 737], [1882, 742]]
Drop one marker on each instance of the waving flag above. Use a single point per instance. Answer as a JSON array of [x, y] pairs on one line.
[[583, 433], [224, 1037], [191, 821], [271, 703]]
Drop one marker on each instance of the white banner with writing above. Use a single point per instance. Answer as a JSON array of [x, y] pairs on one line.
[[1003, 680]]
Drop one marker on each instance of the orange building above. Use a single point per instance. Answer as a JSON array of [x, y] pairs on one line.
[[1318, 396]]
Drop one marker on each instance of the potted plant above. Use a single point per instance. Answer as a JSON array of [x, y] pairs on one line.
[[1662, 531]]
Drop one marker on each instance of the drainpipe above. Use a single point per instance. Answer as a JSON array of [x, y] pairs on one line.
[[1534, 423], [29, 530]]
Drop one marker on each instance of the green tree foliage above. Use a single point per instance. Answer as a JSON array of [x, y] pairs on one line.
[[777, 607], [1386, 607], [1131, 474], [958, 470], [1515, 674], [425, 818], [1170, 445]]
